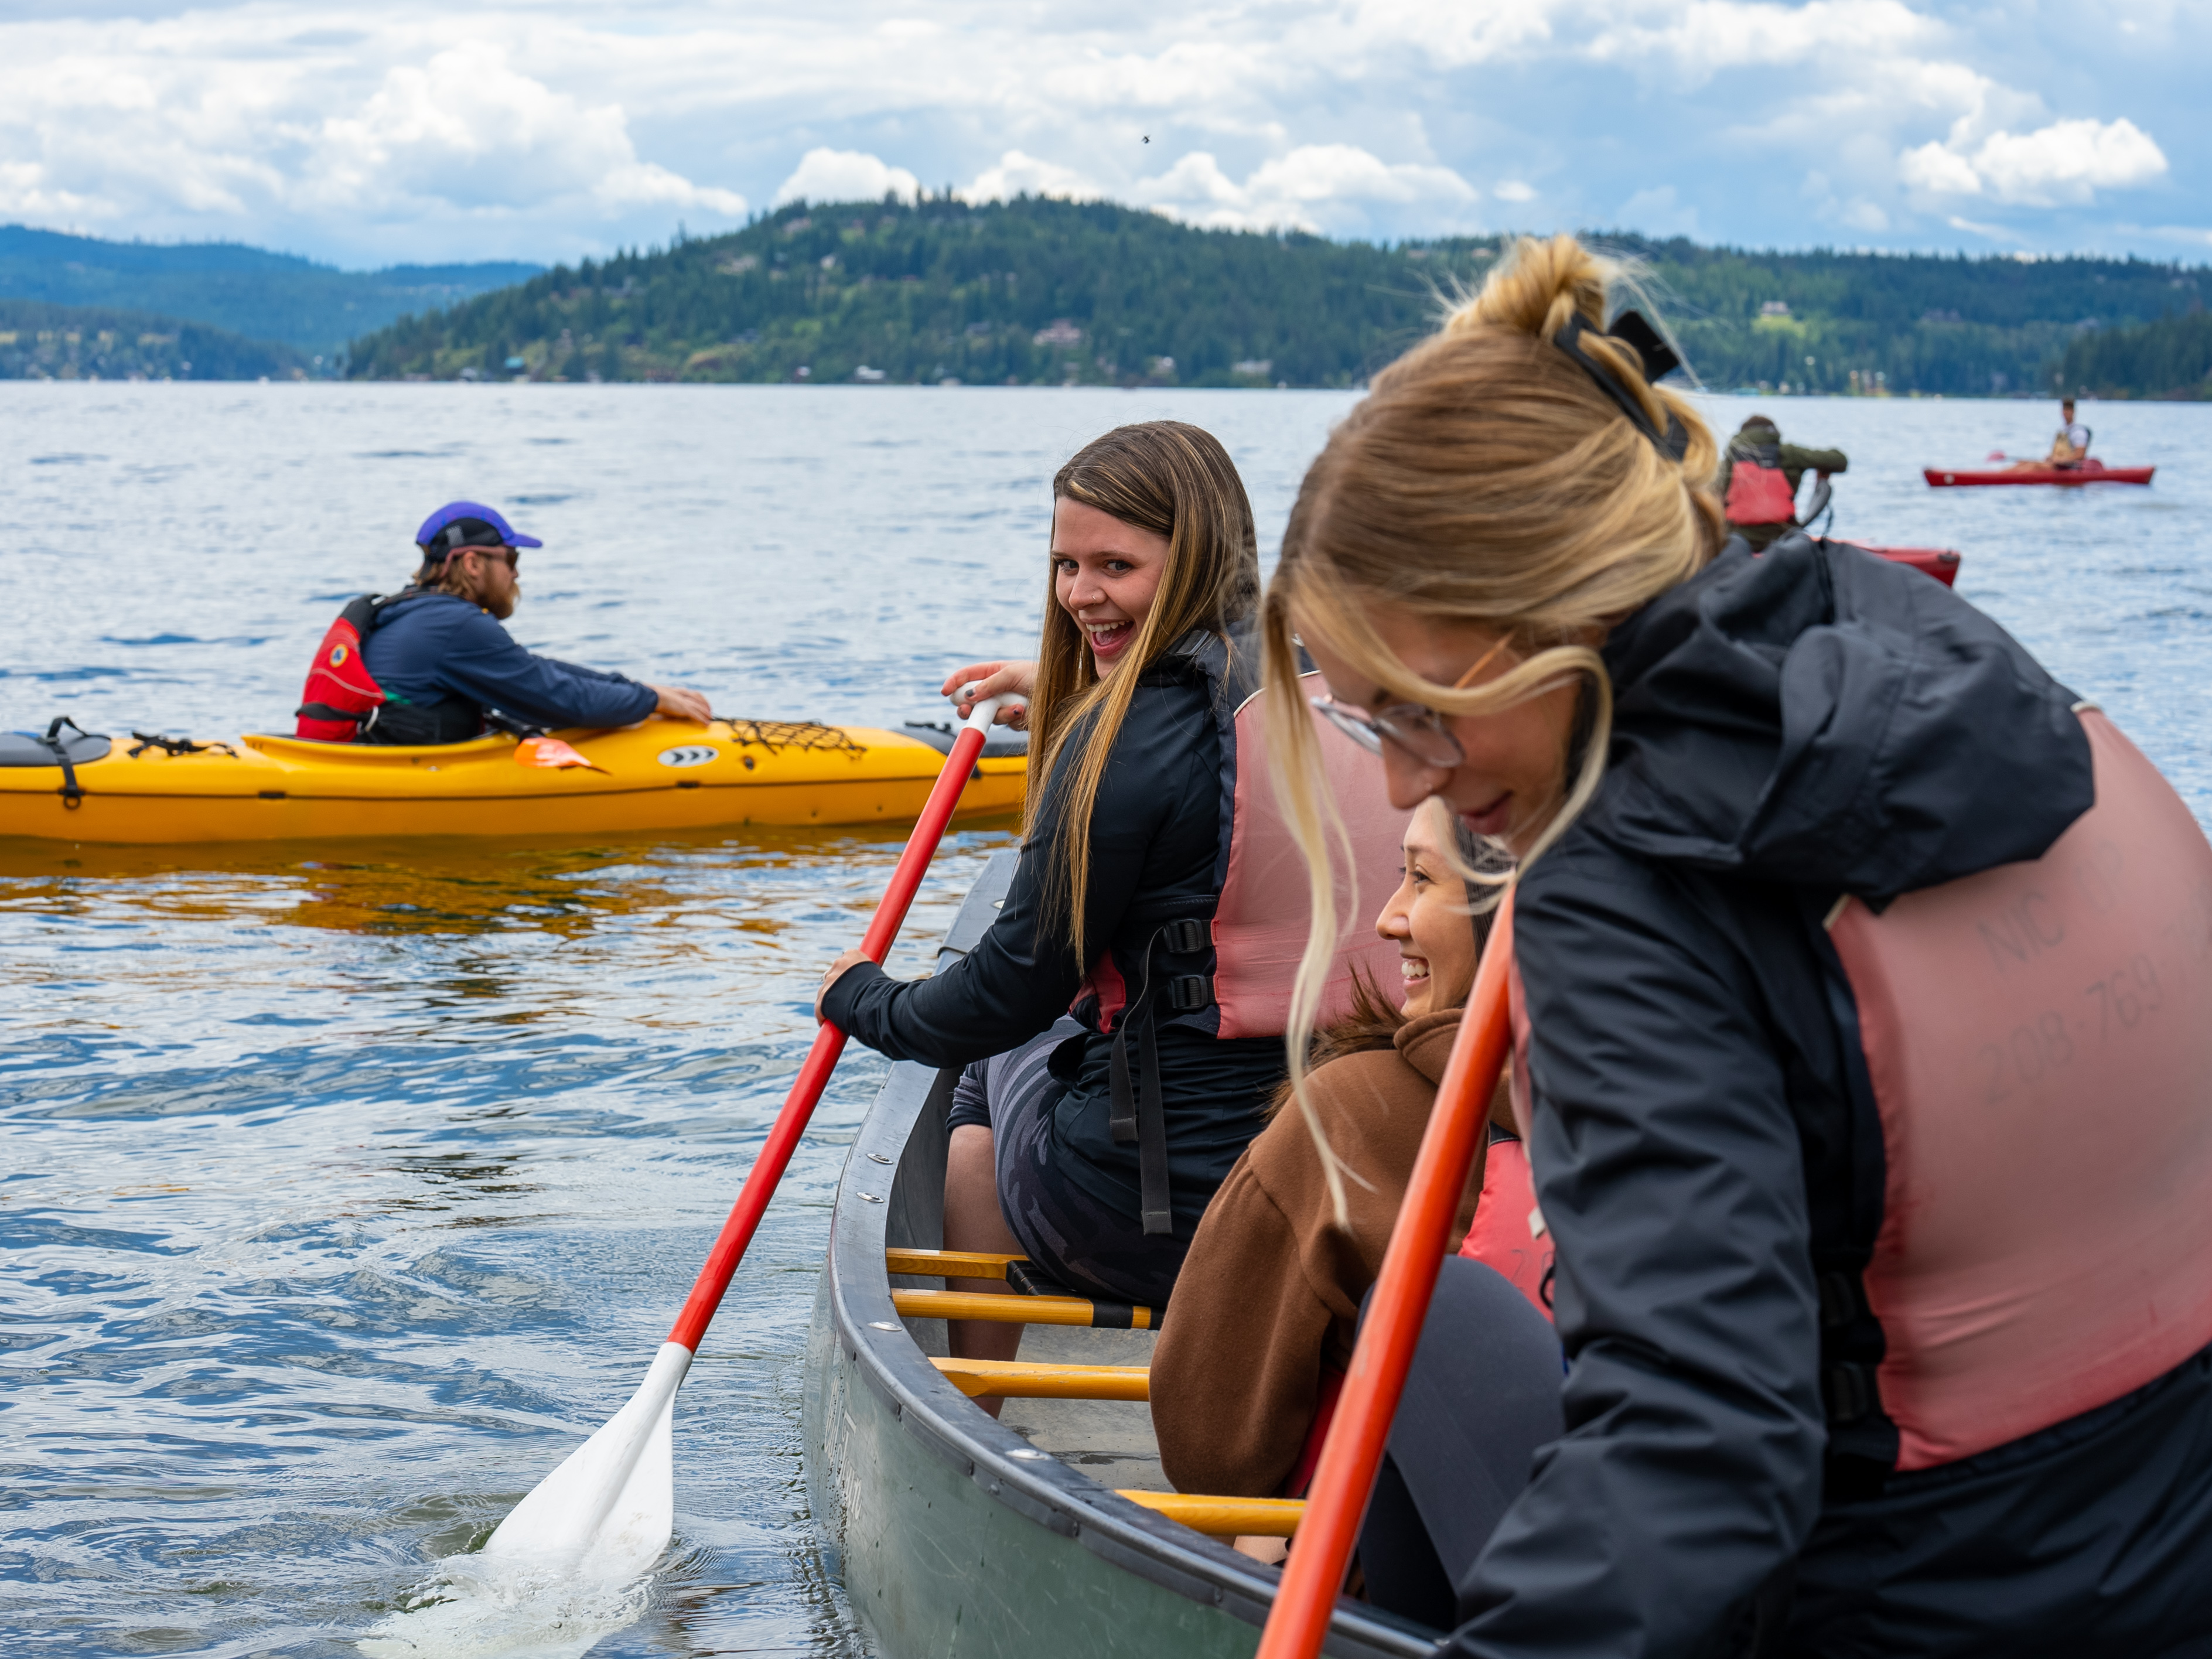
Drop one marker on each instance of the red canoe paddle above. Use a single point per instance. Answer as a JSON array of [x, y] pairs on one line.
[[607, 1513], [1337, 1503]]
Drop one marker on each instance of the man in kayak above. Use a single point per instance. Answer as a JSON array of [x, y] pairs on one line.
[[2070, 446], [1758, 480], [438, 652]]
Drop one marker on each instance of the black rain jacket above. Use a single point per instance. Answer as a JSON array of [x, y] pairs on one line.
[[1158, 837], [1788, 729]]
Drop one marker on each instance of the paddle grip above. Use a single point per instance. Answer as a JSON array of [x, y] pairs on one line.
[[813, 1078], [1336, 1505]]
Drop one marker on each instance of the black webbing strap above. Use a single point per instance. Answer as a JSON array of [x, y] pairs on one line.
[[1142, 1117], [72, 792]]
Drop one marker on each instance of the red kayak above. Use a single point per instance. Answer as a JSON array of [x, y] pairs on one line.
[[2088, 472], [1940, 562]]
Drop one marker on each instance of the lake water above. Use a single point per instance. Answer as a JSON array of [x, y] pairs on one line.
[[343, 1188]]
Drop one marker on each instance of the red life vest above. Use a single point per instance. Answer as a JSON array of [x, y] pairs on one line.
[[1759, 490], [1507, 1234], [342, 697], [2039, 1038]]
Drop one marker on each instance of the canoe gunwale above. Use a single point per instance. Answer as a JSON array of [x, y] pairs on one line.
[[1043, 1490]]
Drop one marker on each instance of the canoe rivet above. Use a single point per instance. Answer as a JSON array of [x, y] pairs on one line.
[[872, 1198], [882, 1325], [878, 1158]]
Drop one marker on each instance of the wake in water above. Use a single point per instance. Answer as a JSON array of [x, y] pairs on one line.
[[470, 1609]]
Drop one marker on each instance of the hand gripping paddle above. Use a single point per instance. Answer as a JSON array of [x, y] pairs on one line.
[[607, 1513]]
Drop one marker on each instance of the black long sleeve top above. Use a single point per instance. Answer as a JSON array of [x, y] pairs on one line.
[[1155, 839]]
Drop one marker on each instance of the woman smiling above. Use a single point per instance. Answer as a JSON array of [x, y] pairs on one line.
[[1270, 1295], [1122, 1023]]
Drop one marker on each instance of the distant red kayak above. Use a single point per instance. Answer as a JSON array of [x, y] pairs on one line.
[[2088, 472]]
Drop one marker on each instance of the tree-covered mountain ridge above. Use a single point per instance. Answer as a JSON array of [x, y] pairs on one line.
[[1040, 291]]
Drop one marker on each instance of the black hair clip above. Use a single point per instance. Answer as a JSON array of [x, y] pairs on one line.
[[1656, 357]]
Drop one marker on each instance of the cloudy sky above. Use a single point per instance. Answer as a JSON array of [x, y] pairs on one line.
[[369, 134]]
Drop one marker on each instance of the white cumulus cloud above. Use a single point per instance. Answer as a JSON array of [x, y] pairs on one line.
[[467, 131], [559, 127], [845, 175], [2067, 161], [1314, 187]]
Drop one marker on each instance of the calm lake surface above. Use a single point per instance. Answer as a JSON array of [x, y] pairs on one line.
[[343, 1188]]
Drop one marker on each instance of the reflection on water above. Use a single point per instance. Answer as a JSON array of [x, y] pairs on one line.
[[344, 1195]]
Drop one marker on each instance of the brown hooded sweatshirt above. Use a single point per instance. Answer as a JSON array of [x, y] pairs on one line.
[[1269, 1295]]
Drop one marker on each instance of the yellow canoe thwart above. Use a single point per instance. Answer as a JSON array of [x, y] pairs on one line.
[[660, 774]]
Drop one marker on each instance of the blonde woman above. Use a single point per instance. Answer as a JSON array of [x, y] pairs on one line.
[[1867, 983], [1116, 1066]]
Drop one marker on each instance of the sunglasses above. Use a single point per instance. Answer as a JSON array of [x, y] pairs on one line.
[[1416, 728]]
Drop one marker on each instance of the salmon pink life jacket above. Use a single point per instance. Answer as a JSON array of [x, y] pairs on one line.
[[1256, 937], [2038, 1041]]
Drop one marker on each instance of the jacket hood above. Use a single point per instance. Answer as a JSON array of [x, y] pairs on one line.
[[1820, 715], [1425, 1044]]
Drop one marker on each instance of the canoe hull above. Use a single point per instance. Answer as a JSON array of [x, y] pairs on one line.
[[2063, 477], [663, 775], [952, 1534]]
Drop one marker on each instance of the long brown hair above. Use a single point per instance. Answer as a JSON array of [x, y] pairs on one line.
[[1174, 480]]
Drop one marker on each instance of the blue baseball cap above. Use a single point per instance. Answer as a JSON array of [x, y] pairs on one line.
[[469, 524]]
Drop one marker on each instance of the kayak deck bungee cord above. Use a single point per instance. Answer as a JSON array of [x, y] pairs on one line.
[[662, 774]]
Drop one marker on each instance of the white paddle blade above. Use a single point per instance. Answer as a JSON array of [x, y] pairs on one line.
[[607, 1513]]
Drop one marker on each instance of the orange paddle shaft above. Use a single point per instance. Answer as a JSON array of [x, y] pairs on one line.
[[1336, 1505], [828, 1042]]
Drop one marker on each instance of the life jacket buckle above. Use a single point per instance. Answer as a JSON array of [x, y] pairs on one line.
[[1849, 1392], [1185, 937], [1842, 1299], [1187, 993]]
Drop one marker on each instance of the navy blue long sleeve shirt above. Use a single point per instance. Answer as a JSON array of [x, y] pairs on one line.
[[438, 647]]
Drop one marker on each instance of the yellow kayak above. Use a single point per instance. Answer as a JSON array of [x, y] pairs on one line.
[[661, 774]]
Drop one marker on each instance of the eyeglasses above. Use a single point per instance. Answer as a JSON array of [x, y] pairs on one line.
[[1415, 728]]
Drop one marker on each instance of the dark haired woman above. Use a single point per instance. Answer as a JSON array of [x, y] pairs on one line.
[[1125, 1011], [1270, 1294]]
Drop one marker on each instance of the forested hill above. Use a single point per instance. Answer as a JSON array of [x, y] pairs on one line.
[[1037, 292]]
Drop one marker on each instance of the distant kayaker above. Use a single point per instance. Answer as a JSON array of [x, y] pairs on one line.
[[1863, 1012], [1122, 1021], [1759, 476], [2070, 445], [435, 657]]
